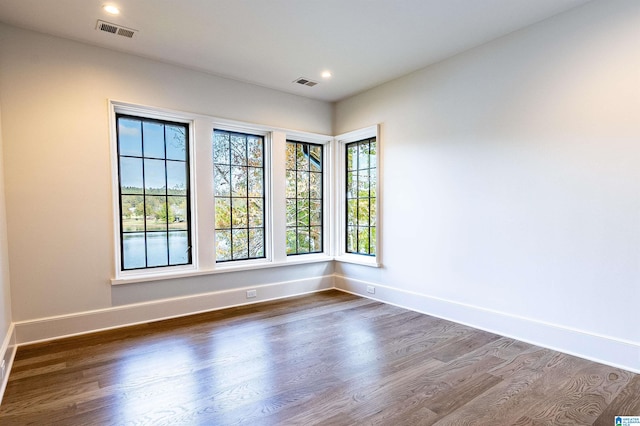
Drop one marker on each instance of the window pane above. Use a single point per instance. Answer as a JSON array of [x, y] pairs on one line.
[[178, 247], [372, 212], [256, 243], [291, 212], [133, 250], [352, 157], [223, 245], [303, 185], [302, 157], [238, 149], [303, 240], [315, 185], [240, 243], [157, 249], [291, 156], [255, 157], [291, 184], [363, 240], [221, 148], [255, 182], [352, 212], [373, 151], [177, 177], [303, 212], [239, 213], [132, 212], [156, 213], [372, 240], [154, 176], [222, 180], [129, 137], [363, 212], [363, 183], [177, 212], [223, 213], [315, 212], [291, 240], [373, 179], [256, 210], [315, 239], [176, 142], [352, 239], [315, 158], [145, 209], [363, 156], [153, 139], [131, 175], [239, 181], [352, 184]]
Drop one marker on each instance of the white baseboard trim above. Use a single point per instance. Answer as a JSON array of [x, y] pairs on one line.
[[598, 348], [50, 328], [7, 353]]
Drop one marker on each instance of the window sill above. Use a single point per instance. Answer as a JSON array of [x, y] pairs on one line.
[[225, 268], [359, 260]]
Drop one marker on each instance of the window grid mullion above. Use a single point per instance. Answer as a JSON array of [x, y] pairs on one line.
[[295, 225], [246, 156], [166, 189], [144, 197]]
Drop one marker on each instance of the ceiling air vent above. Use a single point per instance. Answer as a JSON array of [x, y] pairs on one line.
[[305, 82], [108, 27]]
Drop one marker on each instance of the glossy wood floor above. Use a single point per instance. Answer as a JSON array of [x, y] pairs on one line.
[[329, 358]]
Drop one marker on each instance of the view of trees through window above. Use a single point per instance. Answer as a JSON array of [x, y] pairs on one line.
[[361, 170], [304, 166], [153, 166], [238, 175], [156, 222]]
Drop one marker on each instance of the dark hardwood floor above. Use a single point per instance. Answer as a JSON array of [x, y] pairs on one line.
[[329, 358]]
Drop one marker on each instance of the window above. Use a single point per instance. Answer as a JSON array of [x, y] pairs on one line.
[[361, 183], [358, 196], [251, 197], [304, 198], [239, 194], [153, 176]]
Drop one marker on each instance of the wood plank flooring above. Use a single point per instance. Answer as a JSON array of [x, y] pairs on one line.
[[325, 359]]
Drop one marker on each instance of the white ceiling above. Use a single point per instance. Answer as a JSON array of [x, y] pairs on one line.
[[273, 42]]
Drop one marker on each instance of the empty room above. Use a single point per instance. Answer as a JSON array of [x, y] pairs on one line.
[[338, 212]]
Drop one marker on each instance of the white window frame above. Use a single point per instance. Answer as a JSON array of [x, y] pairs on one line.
[[341, 142], [152, 113], [267, 188], [202, 216], [328, 223]]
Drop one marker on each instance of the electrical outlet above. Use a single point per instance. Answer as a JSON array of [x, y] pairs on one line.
[[371, 289], [251, 294]]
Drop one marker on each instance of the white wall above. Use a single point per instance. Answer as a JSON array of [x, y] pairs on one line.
[[511, 177], [5, 288], [57, 166], [7, 335]]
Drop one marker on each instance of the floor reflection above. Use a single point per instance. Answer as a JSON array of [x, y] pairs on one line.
[[155, 381]]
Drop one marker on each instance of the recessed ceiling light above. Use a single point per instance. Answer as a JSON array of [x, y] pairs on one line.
[[113, 10], [326, 74]]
